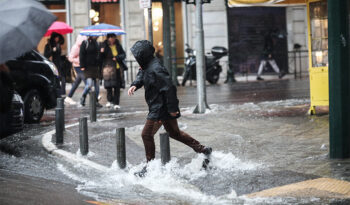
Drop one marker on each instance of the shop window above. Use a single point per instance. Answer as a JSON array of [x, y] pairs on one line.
[[319, 33]]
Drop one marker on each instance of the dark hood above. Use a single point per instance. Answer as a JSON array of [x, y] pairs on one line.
[[53, 36], [143, 52]]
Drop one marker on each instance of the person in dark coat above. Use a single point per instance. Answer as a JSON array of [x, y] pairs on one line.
[[113, 56], [267, 56], [89, 62], [161, 98], [53, 49]]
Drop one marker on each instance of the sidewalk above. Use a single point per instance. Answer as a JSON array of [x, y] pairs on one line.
[[257, 145]]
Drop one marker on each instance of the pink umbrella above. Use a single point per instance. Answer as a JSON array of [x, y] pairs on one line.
[[59, 27]]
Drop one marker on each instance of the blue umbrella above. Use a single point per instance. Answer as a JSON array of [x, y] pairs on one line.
[[101, 30]]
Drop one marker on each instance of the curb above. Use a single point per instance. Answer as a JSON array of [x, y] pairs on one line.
[[51, 148]]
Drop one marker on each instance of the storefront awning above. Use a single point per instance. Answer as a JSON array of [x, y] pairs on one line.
[[244, 3]]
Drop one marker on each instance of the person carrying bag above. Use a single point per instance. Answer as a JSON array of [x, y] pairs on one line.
[[113, 56]]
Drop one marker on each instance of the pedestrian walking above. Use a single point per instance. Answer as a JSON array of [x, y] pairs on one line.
[[74, 58], [113, 56], [53, 50], [160, 95], [89, 62], [267, 56]]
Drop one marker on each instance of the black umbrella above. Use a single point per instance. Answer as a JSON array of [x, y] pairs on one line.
[[22, 24]]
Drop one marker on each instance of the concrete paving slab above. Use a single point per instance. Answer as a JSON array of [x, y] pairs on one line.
[[319, 188]]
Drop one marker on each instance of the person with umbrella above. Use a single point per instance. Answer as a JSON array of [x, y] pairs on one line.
[[74, 58], [112, 55], [53, 49], [89, 57], [92, 32]]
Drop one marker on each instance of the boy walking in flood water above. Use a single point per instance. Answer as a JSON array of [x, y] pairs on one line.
[[161, 98]]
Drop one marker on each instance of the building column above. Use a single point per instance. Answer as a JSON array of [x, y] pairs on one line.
[[339, 79], [79, 13]]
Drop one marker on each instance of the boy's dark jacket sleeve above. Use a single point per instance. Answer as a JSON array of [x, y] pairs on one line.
[[166, 86], [138, 82]]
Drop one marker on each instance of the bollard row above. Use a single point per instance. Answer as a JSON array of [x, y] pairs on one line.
[[120, 137]]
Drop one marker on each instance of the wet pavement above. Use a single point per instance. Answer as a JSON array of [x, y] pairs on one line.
[[259, 131]]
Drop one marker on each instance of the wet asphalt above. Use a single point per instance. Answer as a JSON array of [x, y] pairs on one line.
[[24, 163]]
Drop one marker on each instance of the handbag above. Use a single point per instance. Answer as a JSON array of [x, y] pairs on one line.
[[108, 72]]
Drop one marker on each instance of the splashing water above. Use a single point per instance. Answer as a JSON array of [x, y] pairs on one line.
[[161, 182]]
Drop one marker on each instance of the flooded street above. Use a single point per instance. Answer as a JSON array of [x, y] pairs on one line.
[[264, 142]]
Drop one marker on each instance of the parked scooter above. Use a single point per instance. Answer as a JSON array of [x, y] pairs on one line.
[[213, 68]]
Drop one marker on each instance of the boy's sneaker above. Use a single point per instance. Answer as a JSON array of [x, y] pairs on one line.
[[69, 101], [141, 173], [207, 151]]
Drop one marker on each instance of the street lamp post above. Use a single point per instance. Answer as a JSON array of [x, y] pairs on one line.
[[200, 58]]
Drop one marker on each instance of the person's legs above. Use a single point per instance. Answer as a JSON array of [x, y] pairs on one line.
[[116, 97], [97, 91], [63, 85], [261, 67], [148, 132], [109, 94], [80, 77], [97, 87], [87, 88], [172, 128], [274, 66]]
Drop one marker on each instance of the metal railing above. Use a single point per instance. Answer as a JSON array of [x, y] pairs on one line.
[[298, 62]]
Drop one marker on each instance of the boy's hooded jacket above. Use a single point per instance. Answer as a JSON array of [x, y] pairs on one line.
[[160, 93]]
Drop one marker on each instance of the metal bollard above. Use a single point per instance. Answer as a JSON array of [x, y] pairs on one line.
[[59, 121], [60, 104], [121, 152], [83, 136], [164, 148], [92, 106]]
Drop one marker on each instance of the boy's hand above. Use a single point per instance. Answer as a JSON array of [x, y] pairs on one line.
[[131, 90], [174, 114]]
